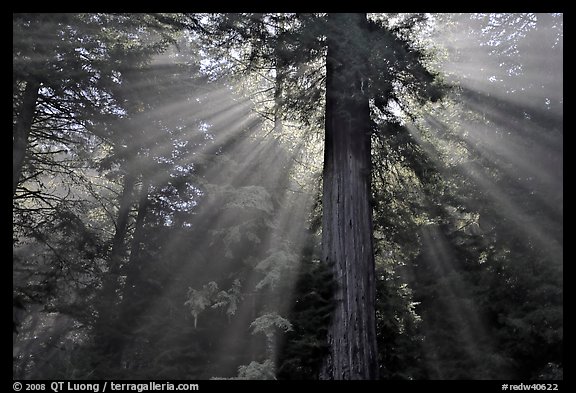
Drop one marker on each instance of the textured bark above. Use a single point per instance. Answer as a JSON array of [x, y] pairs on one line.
[[347, 212], [22, 130]]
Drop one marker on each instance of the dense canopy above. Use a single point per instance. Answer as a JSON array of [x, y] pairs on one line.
[[288, 196]]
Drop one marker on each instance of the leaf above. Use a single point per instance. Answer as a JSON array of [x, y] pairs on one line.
[[259, 371], [274, 266], [210, 296], [231, 299], [251, 197], [198, 300], [254, 371], [266, 323]]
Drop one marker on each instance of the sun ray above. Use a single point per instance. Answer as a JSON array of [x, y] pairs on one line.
[[230, 185]]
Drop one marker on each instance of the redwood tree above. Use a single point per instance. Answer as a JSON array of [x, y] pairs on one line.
[[370, 64], [347, 213]]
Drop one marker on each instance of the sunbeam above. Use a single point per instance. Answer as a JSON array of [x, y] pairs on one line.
[[287, 196]]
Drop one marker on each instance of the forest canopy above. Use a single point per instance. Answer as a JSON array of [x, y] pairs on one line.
[[289, 196]]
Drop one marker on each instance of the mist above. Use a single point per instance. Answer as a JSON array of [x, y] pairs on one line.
[[167, 213]]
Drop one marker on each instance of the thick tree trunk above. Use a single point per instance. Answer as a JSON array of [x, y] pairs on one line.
[[22, 130], [347, 212]]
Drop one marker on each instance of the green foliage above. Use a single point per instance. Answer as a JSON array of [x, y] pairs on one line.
[[399, 335], [268, 323], [305, 346], [211, 296], [276, 267], [467, 226], [481, 258], [252, 202], [198, 300], [255, 371], [250, 197], [230, 299]]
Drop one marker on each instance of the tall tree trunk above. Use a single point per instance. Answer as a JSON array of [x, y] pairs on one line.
[[119, 242], [347, 212], [132, 306], [22, 130], [108, 309]]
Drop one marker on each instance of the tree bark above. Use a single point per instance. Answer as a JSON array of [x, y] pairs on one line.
[[108, 310], [347, 212], [132, 306], [22, 130], [118, 250]]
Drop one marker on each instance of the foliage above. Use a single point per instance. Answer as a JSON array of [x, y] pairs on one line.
[[213, 274], [255, 371], [209, 295], [310, 314]]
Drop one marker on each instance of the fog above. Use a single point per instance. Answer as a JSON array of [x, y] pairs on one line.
[[222, 219]]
